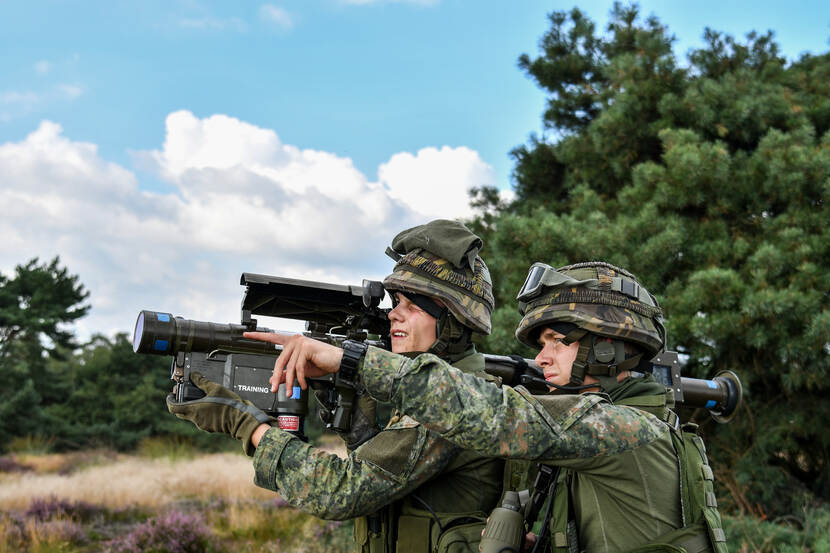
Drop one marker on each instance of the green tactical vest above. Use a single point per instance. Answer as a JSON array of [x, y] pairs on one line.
[[702, 529], [444, 515]]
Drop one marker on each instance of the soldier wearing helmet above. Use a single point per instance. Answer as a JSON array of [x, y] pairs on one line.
[[412, 490], [630, 478], [438, 269], [600, 312]]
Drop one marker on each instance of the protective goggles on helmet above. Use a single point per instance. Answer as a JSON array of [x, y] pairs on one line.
[[543, 276]]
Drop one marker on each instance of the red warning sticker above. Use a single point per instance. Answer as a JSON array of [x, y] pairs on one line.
[[289, 423]]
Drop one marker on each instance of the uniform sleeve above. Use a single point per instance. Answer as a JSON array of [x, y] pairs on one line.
[[390, 465], [503, 421]]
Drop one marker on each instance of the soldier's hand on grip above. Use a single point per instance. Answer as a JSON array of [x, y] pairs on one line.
[[301, 357], [220, 410]]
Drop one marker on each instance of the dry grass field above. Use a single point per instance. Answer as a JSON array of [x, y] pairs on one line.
[[102, 501], [170, 499], [134, 482]]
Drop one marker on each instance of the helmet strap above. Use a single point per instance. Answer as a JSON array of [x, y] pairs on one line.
[[452, 339], [600, 359], [578, 371]]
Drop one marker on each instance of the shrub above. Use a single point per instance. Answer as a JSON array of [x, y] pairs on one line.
[[808, 533], [173, 532], [10, 464], [43, 509], [11, 535], [34, 445], [43, 528], [81, 460], [53, 534]]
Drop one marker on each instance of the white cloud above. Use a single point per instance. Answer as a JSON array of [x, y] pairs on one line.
[[278, 16], [447, 174], [507, 195], [242, 201]]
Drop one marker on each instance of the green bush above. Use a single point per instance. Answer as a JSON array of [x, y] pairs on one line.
[[807, 533]]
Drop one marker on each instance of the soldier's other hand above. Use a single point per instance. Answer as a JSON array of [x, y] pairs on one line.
[[530, 541], [301, 357], [220, 410]]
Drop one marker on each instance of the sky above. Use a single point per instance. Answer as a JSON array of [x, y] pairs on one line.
[[163, 148]]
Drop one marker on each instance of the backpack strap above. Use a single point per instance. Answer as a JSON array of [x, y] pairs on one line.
[[700, 506], [563, 532], [658, 405]]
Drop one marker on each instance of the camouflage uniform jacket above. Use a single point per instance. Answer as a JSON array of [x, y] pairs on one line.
[[403, 458], [624, 469]]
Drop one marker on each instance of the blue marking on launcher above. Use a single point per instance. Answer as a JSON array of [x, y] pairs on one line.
[[712, 384], [710, 404], [296, 392], [160, 345], [164, 317]]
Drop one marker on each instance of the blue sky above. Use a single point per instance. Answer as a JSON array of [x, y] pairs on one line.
[[124, 124]]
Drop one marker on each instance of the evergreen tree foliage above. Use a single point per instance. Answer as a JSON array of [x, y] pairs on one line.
[[709, 180], [98, 395], [36, 305], [118, 399]]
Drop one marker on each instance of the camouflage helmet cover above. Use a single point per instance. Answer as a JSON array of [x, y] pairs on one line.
[[467, 292], [600, 298]]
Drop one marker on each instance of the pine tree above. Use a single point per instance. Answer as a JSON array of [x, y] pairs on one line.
[[36, 304]]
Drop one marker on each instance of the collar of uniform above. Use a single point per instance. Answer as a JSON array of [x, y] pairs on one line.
[[633, 387]]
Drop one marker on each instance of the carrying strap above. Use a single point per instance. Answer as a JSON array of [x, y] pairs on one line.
[[562, 527], [542, 541]]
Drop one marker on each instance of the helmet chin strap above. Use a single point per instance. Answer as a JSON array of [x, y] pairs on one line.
[[600, 358], [453, 339]]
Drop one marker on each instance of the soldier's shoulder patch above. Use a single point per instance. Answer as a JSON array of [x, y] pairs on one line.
[[561, 411]]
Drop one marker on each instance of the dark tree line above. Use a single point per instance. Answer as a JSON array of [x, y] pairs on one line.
[[99, 394]]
